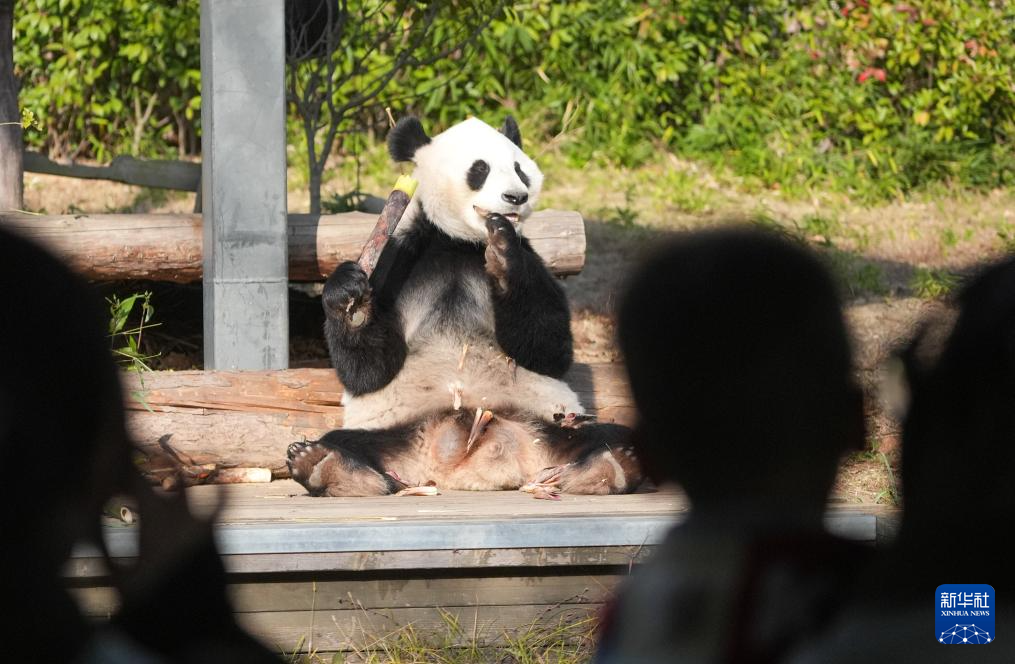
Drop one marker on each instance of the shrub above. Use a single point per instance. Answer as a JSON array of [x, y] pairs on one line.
[[876, 97], [110, 77], [873, 98]]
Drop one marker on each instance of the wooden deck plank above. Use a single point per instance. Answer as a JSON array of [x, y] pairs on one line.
[[271, 524], [336, 574], [285, 499], [350, 593]]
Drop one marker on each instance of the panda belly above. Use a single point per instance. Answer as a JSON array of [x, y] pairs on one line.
[[446, 375], [454, 362]]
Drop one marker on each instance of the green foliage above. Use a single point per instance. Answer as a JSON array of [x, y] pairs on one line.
[[28, 120], [110, 77], [1006, 234], [875, 99], [350, 201], [365, 45], [819, 229], [927, 282], [126, 328]]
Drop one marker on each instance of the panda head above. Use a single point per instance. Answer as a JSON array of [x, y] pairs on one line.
[[467, 172]]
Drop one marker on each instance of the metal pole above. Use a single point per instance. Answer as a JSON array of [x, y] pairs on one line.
[[246, 321], [11, 176]]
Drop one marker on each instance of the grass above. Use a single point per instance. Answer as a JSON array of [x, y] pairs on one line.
[[567, 640], [879, 467], [891, 245], [930, 283]]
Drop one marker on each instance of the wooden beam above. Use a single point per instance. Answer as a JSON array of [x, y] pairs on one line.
[[348, 593], [248, 418], [167, 247], [88, 565]]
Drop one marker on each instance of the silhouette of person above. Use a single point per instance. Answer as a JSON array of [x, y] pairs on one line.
[[65, 453], [958, 470], [740, 367]]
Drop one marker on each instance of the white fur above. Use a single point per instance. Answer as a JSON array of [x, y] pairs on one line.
[[414, 306], [431, 380], [487, 380], [315, 477], [619, 476], [443, 193]]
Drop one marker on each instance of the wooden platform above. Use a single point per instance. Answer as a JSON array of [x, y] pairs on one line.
[[338, 573]]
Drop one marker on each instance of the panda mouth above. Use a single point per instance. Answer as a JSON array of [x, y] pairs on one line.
[[513, 217]]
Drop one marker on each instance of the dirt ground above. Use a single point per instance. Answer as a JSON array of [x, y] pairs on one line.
[[893, 243]]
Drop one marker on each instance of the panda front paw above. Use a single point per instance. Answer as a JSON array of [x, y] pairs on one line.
[[502, 245], [346, 295]]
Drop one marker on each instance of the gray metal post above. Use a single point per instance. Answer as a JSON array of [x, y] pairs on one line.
[[246, 299]]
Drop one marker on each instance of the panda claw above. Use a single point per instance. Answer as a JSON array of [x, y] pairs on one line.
[[546, 493]]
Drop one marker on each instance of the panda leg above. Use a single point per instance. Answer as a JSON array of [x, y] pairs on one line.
[[591, 459], [348, 462]]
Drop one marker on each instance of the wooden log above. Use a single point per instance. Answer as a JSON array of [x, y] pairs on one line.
[[168, 247], [248, 418], [160, 173]]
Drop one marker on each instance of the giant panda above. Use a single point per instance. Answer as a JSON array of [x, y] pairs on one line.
[[452, 352]]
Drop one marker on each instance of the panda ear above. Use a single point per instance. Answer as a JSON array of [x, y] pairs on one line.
[[405, 138], [510, 129]]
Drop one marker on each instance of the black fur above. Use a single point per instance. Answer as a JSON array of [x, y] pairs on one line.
[[370, 448], [477, 174], [532, 319], [521, 175], [381, 450], [405, 138], [367, 356], [511, 130]]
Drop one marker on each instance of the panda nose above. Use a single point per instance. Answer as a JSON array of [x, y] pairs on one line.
[[515, 198]]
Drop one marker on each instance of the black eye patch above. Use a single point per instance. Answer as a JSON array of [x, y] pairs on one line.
[[477, 174], [521, 174]]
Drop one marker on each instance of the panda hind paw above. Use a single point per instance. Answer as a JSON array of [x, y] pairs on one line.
[[302, 458]]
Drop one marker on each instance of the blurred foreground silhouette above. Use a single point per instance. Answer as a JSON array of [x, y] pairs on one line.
[[65, 453], [741, 370]]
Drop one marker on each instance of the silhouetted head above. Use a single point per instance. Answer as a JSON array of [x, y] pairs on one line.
[[741, 369], [959, 434], [62, 436]]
